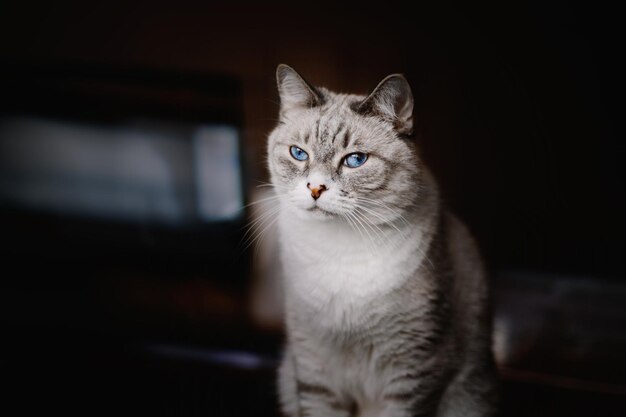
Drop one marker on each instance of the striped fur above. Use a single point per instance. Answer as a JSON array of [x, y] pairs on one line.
[[387, 302]]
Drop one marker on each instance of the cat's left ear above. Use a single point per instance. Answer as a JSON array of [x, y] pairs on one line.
[[392, 100]]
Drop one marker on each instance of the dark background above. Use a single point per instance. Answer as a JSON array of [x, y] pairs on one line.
[[519, 113]]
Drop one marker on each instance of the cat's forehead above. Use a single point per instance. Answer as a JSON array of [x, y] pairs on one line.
[[335, 125], [337, 108]]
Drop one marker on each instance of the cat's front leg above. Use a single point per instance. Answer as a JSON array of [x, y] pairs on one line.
[[405, 407], [395, 407], [411, 392], [317, 400], [287, 391], [302, 393]]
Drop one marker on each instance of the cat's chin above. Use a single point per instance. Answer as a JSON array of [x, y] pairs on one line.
[[319, 213], [316, 213]]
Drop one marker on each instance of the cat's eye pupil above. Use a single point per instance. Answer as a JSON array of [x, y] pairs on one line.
[[298, 153], [355, 160]]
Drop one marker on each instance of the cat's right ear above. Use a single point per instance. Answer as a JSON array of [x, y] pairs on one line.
[[294, 91]]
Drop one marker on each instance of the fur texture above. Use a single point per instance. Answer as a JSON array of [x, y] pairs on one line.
[[386, 298]]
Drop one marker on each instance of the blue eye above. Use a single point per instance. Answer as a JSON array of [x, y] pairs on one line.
[[355, 160], [298, 153]]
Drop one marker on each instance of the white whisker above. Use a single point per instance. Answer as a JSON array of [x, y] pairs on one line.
[[383, 206], [384, 236], [372, 242], [254, 225], [277, 186], [263, 200], [350, 217], [382, 218], [260, 235]]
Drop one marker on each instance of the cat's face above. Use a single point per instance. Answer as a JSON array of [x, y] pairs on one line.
[[344, 157]]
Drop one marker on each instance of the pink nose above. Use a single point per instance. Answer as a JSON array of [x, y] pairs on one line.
[[316, 191]]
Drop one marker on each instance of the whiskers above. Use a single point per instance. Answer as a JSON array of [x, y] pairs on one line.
[[264, 215], [372, 221], [400, 224], [382, 211], [380, 226], [263, 184]]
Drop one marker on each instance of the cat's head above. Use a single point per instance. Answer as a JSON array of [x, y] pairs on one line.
[[338, 156]]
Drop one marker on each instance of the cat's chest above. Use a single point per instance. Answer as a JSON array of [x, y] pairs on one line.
[[338, 274]]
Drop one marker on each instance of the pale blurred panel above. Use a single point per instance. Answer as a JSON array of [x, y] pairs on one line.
[[140, 170], [218, 173]]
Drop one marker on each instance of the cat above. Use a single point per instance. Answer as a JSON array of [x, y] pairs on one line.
[[387, 303]]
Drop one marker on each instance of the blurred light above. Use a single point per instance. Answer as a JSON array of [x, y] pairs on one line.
[[138, 171], [234, 358]]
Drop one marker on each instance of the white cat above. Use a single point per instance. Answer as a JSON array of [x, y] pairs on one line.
[[386, 299]]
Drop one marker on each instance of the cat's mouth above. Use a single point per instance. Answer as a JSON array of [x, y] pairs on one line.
[[320, 211]]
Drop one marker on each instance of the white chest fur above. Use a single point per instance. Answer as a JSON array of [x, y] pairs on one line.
[[338, 272]]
